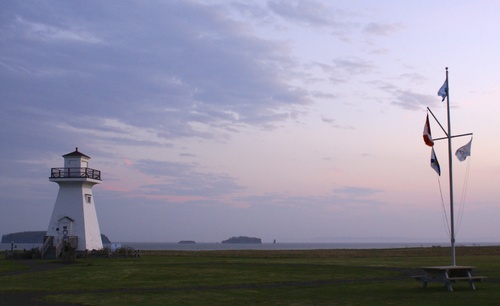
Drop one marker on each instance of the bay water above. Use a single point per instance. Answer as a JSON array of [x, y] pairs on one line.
[[264, 246]]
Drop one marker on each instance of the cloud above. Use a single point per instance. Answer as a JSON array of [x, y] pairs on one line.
[[352, 65], [356, 192], [405, 98], [381, 29], [341, 70], [183, 179], [328, 120], [251, 10], [333, 123], [412, 101], [161, 73], [40, 31], [342, 198], [315, 14], [311, 13], [413, 77]]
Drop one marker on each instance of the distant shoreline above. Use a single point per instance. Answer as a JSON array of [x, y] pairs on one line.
[[200, 246]]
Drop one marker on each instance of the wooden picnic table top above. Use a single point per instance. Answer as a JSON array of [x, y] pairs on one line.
[[448, 274], [445, 268]]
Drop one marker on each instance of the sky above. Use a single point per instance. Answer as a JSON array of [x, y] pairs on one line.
[[298, 120]]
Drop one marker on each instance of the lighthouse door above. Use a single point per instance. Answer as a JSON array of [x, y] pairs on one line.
[[65, 228]]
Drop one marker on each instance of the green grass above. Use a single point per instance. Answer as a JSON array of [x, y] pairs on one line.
[[316, 277], [10, 265]]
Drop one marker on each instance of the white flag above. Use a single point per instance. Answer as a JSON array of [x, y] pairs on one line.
[[463, 151], [443, 91]]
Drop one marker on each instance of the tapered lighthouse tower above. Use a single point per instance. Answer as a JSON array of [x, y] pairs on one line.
[[74, 217]]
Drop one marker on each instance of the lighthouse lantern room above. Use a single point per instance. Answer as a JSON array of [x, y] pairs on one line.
[[74, 218]]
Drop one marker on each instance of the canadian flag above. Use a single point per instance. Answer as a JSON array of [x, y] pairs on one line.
[[427, 133]]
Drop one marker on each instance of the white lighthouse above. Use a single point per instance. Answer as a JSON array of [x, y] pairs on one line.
[[74, 217]]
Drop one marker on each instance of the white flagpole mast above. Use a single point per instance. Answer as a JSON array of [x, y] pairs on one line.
[[450, 161], [450, 170]]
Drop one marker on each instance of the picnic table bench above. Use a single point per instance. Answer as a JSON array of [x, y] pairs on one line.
[[448, 275]]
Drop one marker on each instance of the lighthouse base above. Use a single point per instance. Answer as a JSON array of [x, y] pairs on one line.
[[65, 249]]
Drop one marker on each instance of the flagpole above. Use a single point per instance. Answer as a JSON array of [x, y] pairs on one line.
[[450, 159]]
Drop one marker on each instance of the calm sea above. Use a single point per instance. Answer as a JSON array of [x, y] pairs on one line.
[[263, 246]]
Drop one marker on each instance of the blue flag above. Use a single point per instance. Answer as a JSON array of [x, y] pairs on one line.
[[443, 91], [435, 163]]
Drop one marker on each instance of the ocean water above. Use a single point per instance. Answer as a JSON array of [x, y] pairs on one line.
[[263, 246], [282, 246]]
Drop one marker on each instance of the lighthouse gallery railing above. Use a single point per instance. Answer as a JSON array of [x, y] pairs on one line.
[[75, 172]]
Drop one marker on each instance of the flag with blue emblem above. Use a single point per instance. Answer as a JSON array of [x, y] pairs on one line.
[[435, 163]]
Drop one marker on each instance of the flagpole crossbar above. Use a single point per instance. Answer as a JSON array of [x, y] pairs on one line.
[[461, 135]]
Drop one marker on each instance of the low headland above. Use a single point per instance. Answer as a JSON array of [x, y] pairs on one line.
[[35, 237]]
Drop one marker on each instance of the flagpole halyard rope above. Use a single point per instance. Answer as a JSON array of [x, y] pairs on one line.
[[445, 215], [464, 193]]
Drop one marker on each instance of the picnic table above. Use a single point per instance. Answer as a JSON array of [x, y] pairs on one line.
[[449, 275]]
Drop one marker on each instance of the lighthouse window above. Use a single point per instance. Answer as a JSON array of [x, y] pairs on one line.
[[89, 198]]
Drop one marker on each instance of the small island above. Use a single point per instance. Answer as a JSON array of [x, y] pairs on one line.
[[243, 239]]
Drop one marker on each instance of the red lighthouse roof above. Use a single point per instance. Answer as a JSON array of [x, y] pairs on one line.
[[76, 153]]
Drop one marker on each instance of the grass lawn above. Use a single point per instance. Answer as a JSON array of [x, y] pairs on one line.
[[312, 277]]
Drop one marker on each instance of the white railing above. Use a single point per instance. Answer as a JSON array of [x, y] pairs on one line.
[[46, 244]]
